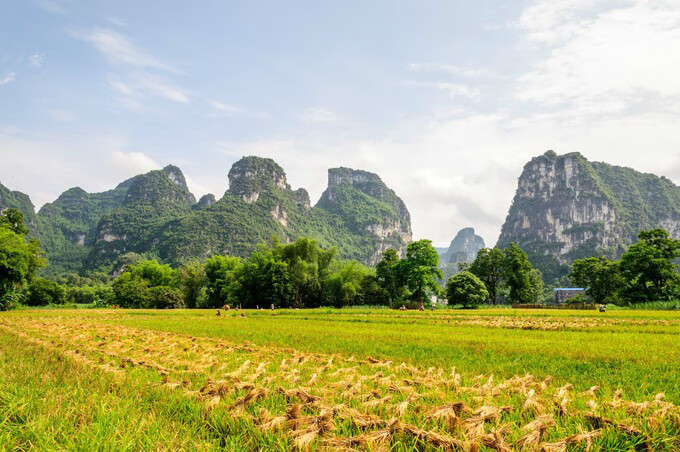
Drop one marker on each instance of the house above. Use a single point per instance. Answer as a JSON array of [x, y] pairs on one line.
[[563, 294]]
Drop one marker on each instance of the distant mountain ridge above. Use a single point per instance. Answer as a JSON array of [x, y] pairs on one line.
[[567, 208], [463, 248], [155, 215]]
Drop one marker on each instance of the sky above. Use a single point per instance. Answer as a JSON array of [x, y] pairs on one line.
[[445, 100]]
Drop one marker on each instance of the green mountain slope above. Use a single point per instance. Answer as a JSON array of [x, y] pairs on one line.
[[16, 200], [155, 215]]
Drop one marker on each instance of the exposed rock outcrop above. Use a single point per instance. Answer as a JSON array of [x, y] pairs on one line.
[[463, 248], [566, 208], [251, 176], [364, 200]]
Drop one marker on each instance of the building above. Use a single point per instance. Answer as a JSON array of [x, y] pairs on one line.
[[562, 295]]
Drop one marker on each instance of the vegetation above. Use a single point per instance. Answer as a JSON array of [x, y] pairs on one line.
[[154, 215], [633, 201], [466, 289], [508, 272], [19, 257], [647, 272], [365, 379]]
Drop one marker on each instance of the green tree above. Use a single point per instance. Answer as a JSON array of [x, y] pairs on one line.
[[13, 220], [130, 291], [343, 286], [649, 268], [155, 273], [519, 275], [193, 283], [536, 278], [41, 292], [420, 270], [264, 280], [389, 278], [164, 297], [600, 276], [221, 277], [489, 267], [19, 257], [466, 289], [308, 265], [143, 284]]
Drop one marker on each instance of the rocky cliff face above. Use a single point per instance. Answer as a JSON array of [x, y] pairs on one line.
[[567, 208], [463, 248], [368, 206], [251, 176]]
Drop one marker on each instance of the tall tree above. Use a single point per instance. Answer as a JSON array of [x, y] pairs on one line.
[[600, 276], [222, 281], [488, 266], [19, 257], [649, 268], [309, 265], [192, 282], [420, 269], [388, 276], [518, 275]]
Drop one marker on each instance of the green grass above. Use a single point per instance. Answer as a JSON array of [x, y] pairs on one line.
[[50, 401]]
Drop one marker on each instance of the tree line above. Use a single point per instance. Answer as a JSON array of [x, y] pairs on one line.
[[646, 272], [302, 274]]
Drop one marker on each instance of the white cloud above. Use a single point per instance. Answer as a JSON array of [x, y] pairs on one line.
[[36, 60], [454, 90], [624, 60], [459, 71], [319, 115], [52, 6], [225, 108], [117, 21], [8, 78], [141, 75], [137, 86], [119, 49], [133, 163], [63, 116]]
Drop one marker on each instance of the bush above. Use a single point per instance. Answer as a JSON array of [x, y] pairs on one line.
[[578, 299], [164, 297], [466, 289], [10, 300], [42, 292]]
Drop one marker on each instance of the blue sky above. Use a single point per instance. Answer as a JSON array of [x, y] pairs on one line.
[[446, 100]]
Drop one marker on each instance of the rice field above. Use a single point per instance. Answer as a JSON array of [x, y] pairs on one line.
[[354, 379]]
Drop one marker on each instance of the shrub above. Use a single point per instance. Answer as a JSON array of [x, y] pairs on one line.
[[9, 300], [466, 289], [164, 297], [42, 292]]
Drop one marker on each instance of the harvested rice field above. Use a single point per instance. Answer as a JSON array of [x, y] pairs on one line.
[[339, 380]]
